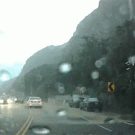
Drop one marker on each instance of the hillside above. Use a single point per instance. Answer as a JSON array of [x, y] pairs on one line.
[[109, 14], [49, 55], [105, 18]]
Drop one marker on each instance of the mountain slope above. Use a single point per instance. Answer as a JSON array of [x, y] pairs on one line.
[[105, 18], [109, 14], [48, 55]]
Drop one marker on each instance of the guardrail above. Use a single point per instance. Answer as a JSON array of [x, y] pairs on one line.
[[54, 101]]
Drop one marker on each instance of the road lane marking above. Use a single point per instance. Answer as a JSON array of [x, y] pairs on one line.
[[128, 123], [104, 128], [27, 126], [84, 118], [18, 133]]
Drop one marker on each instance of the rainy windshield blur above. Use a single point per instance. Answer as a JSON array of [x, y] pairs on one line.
[[76, 57]]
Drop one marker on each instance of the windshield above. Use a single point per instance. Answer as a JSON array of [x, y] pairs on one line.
[[67, 67], [34, 98]]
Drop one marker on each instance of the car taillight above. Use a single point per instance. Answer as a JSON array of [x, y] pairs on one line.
[[40, 101], [30, 101]]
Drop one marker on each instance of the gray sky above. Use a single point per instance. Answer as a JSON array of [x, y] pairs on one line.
[[29, 25]]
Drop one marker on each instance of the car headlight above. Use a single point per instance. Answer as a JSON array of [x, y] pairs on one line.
[[1, 101], [9, 101], [15, 99]]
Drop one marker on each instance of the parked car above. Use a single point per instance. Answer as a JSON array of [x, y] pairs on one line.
[[91, 104], [34, 102], [76, 104]]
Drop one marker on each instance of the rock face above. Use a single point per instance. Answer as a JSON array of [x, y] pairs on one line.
[[106, 17], [48, 55]]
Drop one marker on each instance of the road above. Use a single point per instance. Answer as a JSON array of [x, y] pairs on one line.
[[16, 119]]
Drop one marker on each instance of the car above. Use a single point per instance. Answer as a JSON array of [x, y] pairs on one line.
[[1, 101], [75, 104], [34, 102], [5, 100], [91, 104], [10, 100]]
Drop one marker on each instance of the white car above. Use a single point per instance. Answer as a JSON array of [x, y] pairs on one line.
[[34, 102]]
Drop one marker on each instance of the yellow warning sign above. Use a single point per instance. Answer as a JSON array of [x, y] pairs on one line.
[[111, 86]]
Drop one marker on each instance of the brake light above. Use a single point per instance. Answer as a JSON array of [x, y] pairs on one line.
[[40, 101], [30, 101]]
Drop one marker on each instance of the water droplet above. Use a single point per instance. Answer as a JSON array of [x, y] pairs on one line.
[[61, 90], [95, 75], [65, 68], [61, 113], [103, 61], [40, 130], [4, 75], [1, 32], [131, 59], [98, 64]]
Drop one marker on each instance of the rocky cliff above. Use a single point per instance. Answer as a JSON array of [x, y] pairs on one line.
[[106, 17]]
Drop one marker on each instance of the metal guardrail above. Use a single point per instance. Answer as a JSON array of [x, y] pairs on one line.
[[54, 101]]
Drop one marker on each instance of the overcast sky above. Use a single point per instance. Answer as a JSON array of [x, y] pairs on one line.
[[27, 26]]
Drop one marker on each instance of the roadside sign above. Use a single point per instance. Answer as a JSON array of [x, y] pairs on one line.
[[111, 86]]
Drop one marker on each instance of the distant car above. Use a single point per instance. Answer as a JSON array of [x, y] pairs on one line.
[[34, 102], [91, 104], [1, 101], [4, 100], [10, 100]]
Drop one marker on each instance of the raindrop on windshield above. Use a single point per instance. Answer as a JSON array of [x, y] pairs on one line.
[[40, 130], [100, 63], [95, 75], [4, 75], [61, 90], [61, 113], [65, 68], [131, 60]]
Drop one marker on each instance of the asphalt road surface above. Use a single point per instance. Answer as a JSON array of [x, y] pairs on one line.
[[55, 119]]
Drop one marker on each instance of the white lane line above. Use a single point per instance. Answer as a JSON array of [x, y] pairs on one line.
[[84, 118], [105, 128], [128, 123]]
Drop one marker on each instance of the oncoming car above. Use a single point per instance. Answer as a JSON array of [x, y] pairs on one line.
[[34, 102], [6, 100], [1, 101]]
